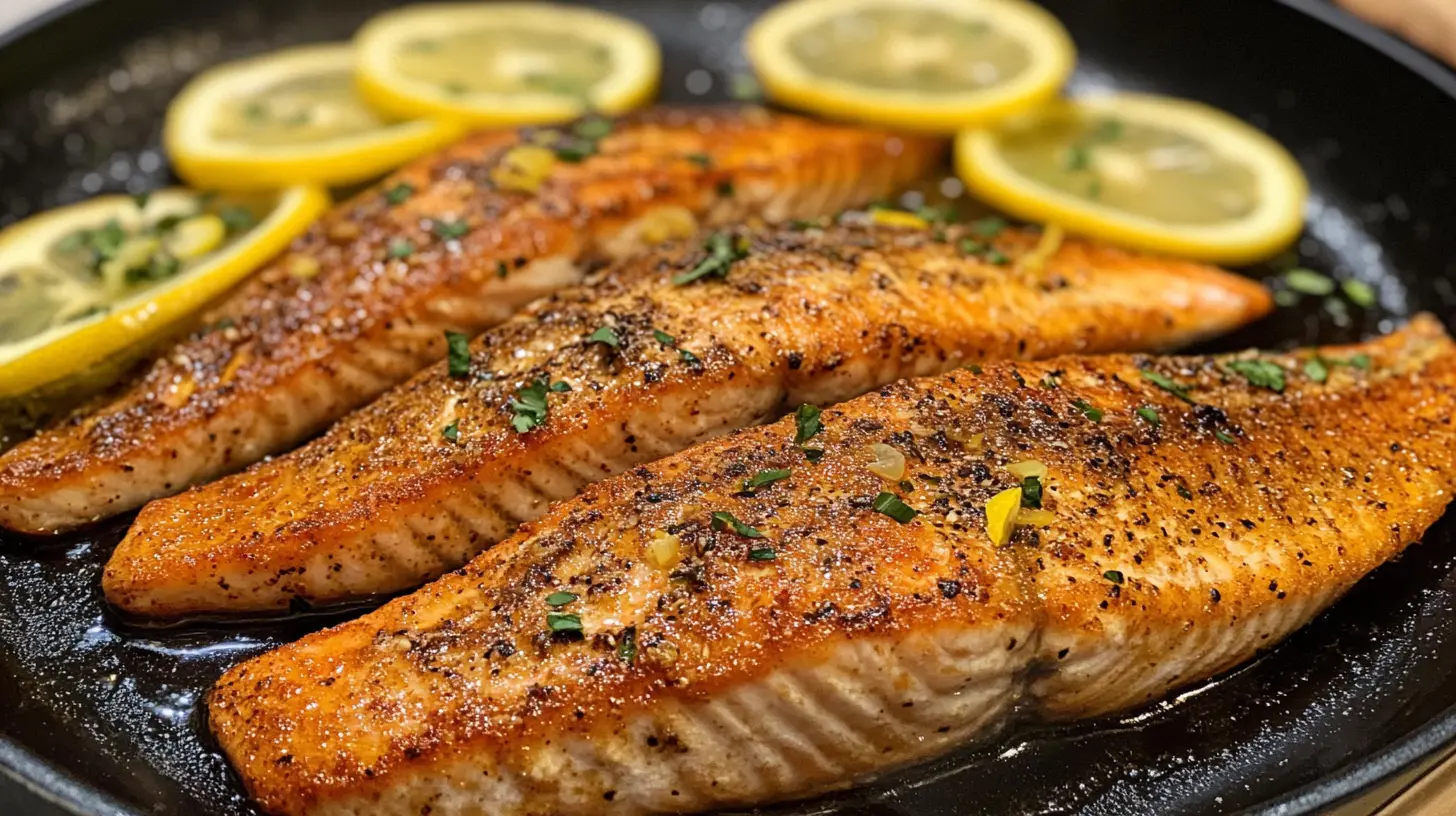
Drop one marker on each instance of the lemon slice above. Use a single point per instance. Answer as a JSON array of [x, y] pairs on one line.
[[498, 64], [289, 117], [86, 282], [1164, 175], [930, 65]]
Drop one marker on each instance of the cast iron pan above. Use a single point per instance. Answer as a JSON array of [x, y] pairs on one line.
[[106, 719]]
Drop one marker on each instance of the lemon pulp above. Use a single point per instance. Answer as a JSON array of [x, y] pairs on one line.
[[506, 60], [899, 48], [1133, 167], [299, 111]]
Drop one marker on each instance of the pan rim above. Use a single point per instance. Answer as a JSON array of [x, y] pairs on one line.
[[63, 790]]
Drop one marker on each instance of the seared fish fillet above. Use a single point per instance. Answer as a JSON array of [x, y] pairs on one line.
[[385, 501], [672, 640], [452, 242]]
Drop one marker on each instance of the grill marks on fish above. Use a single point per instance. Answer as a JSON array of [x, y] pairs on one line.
[[865, 642], [384, 501], [300, 351]]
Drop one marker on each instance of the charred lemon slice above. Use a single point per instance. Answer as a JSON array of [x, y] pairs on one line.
[[497, 64], [288, 117], [85, 283], [1165, 175], [930, 65]]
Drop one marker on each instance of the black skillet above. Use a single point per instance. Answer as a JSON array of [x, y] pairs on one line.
[[102, 719]]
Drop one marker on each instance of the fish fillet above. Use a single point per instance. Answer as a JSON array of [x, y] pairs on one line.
[[359, 303], [384, 501], [632, 653]]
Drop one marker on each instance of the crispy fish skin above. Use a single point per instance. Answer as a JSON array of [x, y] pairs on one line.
[[342, 317], [384, 501], [843, 641]]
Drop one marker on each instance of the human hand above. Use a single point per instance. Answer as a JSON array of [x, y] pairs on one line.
[[1430, 24]]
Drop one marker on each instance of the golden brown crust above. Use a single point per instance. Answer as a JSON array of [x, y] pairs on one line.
[[299, 351], [1311, 487], [817, 315]]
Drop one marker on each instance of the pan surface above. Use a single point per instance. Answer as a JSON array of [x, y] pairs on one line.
[[106, 719]]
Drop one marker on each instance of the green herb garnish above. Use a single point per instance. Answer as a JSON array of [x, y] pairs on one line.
[[763, 478], [890, 505], [762, 554], [1114, 576], [1150, 415], [1260, 373], [401, 248], [1359, 293], [1308, 282], [501, 270], [607, 336], [806, 423], [236, 219], [664, 338], [627, 645], [722, 251], [1177, 389], [451, 432], [989, 227], [458, 345], [563, 622], [1087, 409], [725, 188], [1316, 369], [700, 159], [529, 404], [1224, 438], [451, 230], [725, 521], [559, 599], [1031, 492], [399, 193]]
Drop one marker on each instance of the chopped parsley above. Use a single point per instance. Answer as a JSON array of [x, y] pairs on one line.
[[529, 404], [1360, 361], [725, 188], [700, 159], [723, 250], [451, 230], [971, 246], [401, 248], [1031, 492], [141, 199], [458, 354], [399, 193], [764, 478], [1184, 491], [1114, 576], [584, 140], [1177, 389], [889, 504], [762, 554], [1224, 438], [725, 521], [236, 219], [689, 357], [627, 645], [806, 423], [451, 432], [813, 454], [559, 599], [989, 227], [1359, 293], [1260, 373], [664, 338], [1049, 382], [1150, 415], [1316, 369], [1308, 282], [594, 128], [607, 336], [501, 270], [563, 622], [1087, 409], [996, 257]]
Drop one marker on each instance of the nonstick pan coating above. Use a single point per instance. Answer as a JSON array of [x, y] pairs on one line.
[[106, 719]]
